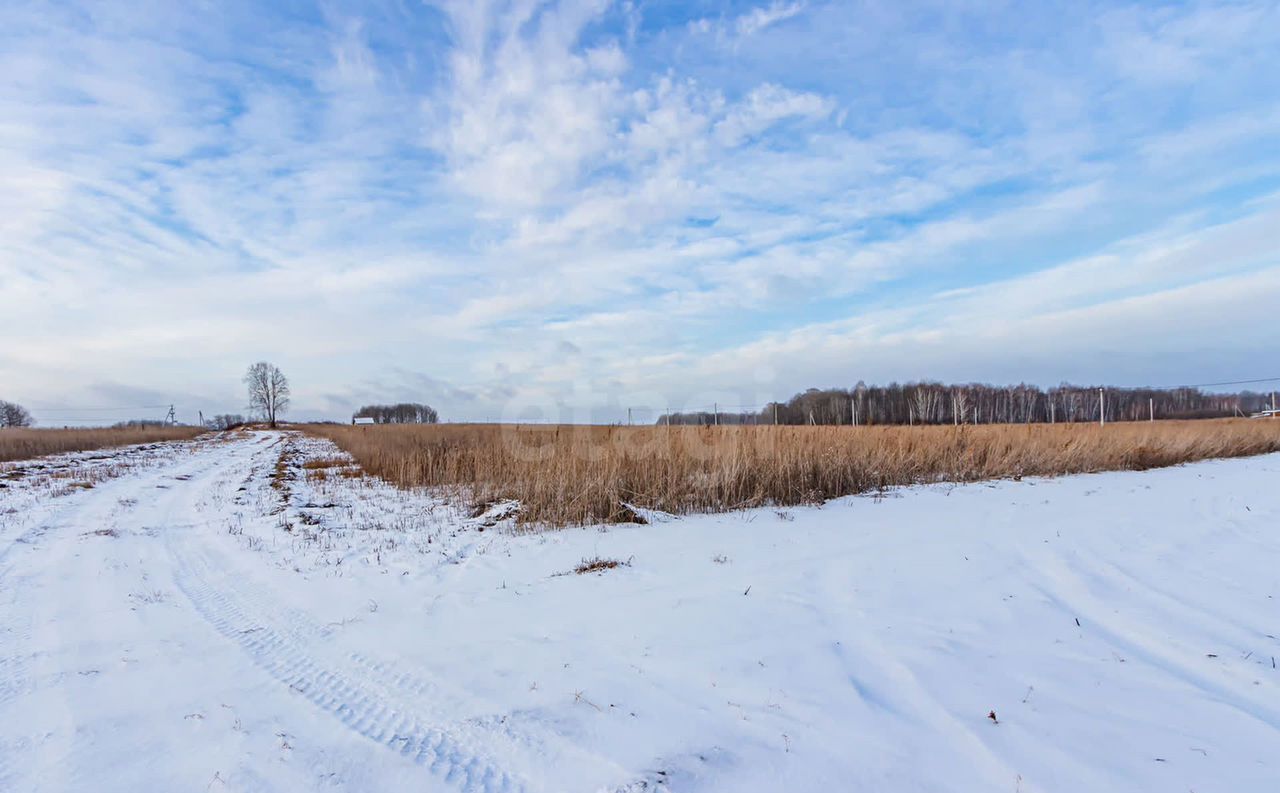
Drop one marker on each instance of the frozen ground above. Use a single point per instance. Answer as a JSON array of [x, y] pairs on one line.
[[213, 616]]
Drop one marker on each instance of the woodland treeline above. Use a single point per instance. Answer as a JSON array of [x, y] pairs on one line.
[[974, 403], [402, 413]]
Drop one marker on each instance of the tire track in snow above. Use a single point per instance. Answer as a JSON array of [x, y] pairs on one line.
[[15, 676], [412, 691], [17, 625], [449, 753], [1068, 590], [17, 622], [396, 707], [297, 627], [15, 637], [885, 683], [16, 632]]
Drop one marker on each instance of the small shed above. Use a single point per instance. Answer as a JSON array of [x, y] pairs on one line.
[[362, 420]]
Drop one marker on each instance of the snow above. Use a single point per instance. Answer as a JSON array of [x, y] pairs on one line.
[[198, 620]]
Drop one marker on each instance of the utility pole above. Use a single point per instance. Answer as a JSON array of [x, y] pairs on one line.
[[715, 407], [775, 414], [1102, 410], [171, 418], [1053, 412], [1151, 403], [628, 417]]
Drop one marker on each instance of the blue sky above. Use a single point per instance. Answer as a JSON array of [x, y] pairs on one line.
[[564, 208]]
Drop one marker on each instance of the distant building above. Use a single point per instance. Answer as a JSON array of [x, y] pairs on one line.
[[362, 420]]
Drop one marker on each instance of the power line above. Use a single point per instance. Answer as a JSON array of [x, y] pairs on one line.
[[91, 410], [1211, 385]]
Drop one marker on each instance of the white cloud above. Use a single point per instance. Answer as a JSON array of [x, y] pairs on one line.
[[1170, 46], [747, 24], [765, 106], [757, 19]]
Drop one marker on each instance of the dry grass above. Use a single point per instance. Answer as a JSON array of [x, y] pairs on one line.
[[598, 565], [567, 475], [22, 444], [324, 462]]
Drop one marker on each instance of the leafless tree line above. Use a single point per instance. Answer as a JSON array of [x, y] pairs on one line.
[[224, 421], [975, 403], [402, 413]]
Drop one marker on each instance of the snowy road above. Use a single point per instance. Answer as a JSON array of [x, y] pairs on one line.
[[216, 616]]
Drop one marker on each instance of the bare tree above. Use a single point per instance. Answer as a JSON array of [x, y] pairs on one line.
[[225, 421], [14, 415], [268, 390]]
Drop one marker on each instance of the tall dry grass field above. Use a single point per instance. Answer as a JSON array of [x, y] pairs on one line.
[[24, 443], [568, 475]]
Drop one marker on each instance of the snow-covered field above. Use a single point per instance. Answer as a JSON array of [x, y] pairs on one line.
[[205, 617]]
